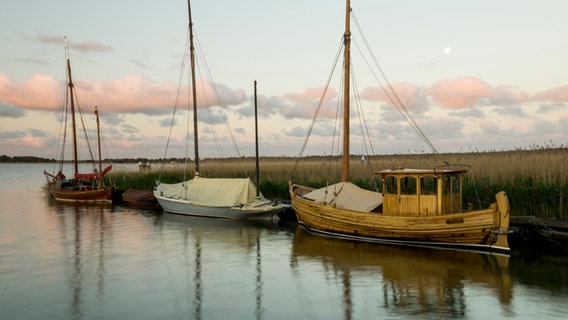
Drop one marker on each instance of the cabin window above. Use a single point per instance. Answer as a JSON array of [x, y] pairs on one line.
[[408, 186], [428, 185], [390, 185], [452, 184]]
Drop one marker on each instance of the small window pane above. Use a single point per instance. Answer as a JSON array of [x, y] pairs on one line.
[[390, 185], [428, 185], [408, 186]]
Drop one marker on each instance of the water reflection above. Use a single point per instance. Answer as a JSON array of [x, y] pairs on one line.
[[413, 281], [237, 235], [82, 228], [61, 261]]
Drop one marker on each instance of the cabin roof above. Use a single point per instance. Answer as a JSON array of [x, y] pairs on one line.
[[406, 171]]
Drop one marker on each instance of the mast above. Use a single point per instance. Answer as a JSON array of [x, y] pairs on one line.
[[99, 139], [346, 81], [256, 142], [70, 85], [193, 92]]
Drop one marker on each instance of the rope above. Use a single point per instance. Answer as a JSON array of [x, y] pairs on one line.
[[200, 56], [541, 223], [391, 93], [217, 96], [318, 108], [176, 104]]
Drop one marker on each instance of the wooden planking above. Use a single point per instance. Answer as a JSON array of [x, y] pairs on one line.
[[467, 228]]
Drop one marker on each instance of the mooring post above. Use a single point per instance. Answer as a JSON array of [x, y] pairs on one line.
[[561, 206]]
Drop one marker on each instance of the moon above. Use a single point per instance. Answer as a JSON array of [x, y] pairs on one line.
[[447, 50]]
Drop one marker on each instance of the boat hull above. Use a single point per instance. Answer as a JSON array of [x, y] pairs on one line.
[[246, 212], [482, 230], [90, 195], [140, 198]]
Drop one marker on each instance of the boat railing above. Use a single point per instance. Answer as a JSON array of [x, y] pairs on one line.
[[453, 166]]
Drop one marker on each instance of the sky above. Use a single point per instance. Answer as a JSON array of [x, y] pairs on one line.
[[479, 75]]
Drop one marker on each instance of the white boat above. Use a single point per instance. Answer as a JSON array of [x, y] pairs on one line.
[[232, 198]]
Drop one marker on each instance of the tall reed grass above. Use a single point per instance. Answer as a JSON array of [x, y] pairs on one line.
[[536, 181]]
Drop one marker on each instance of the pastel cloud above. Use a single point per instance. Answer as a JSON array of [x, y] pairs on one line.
[[90, 46], [302, 105], [134, 93], [410, 95], [459, 93], [468, 92], [38, 92], [559, 94]]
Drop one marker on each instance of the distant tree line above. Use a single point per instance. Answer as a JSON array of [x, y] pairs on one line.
[[5, 158]]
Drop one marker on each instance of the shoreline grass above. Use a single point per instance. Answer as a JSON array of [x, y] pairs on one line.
[[536, 181]]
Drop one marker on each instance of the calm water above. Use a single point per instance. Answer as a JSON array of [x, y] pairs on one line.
[[95, 262]]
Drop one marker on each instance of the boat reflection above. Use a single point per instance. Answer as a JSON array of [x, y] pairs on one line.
[[82, 227], [412, 280], [233, 235]]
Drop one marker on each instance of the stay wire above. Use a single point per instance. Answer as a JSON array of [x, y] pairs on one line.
[[221, 107], [391, 93], [318, 108]]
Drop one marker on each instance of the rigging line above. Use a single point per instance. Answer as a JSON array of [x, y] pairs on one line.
[[176, 102], [363, 123], [62, 131], [221, 107], [105, 148], [63, 128], [205, 95], [336, 134], [400, 104], [217, 96], [359, 109], [320, 103], [209, 109], [84, 125], [394, 99]]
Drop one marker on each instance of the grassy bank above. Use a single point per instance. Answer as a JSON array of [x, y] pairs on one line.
[[536, 181]]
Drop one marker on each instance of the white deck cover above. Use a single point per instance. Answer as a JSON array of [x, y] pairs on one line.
[[213, 192], [346, 195]]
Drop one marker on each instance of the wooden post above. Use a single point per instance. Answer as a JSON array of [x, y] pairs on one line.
[[561, 206]]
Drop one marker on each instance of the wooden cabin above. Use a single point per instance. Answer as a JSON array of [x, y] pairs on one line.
[[421, 192]]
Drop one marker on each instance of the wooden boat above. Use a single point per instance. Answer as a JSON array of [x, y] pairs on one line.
[[421, 207], [140, 198], [232, 198], [82, 187]]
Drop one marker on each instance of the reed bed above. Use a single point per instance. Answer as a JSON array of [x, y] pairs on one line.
[[536, 181]]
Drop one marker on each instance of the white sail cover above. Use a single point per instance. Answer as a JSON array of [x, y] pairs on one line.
[[346, 195], [213, 192]]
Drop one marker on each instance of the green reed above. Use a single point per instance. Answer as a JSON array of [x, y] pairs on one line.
[[536, 181]]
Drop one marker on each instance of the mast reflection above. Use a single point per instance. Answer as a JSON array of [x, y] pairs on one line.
[[236, 235], [413, 281], [82, 227]]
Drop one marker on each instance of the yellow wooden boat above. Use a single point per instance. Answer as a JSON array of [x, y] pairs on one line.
[[421, 207], [416, 207]]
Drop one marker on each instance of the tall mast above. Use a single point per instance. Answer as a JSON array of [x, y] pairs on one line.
[[70, 85], [346, 81], [99, 138], [256, 142], [193, 91]]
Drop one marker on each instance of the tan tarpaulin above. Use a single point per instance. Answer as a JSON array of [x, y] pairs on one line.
[[346, 195], [214, 192]]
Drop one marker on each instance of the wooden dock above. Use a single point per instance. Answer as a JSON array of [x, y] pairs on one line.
[[549, 235]]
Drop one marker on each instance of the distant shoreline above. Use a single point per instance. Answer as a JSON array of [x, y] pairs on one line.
[[34, 159]]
